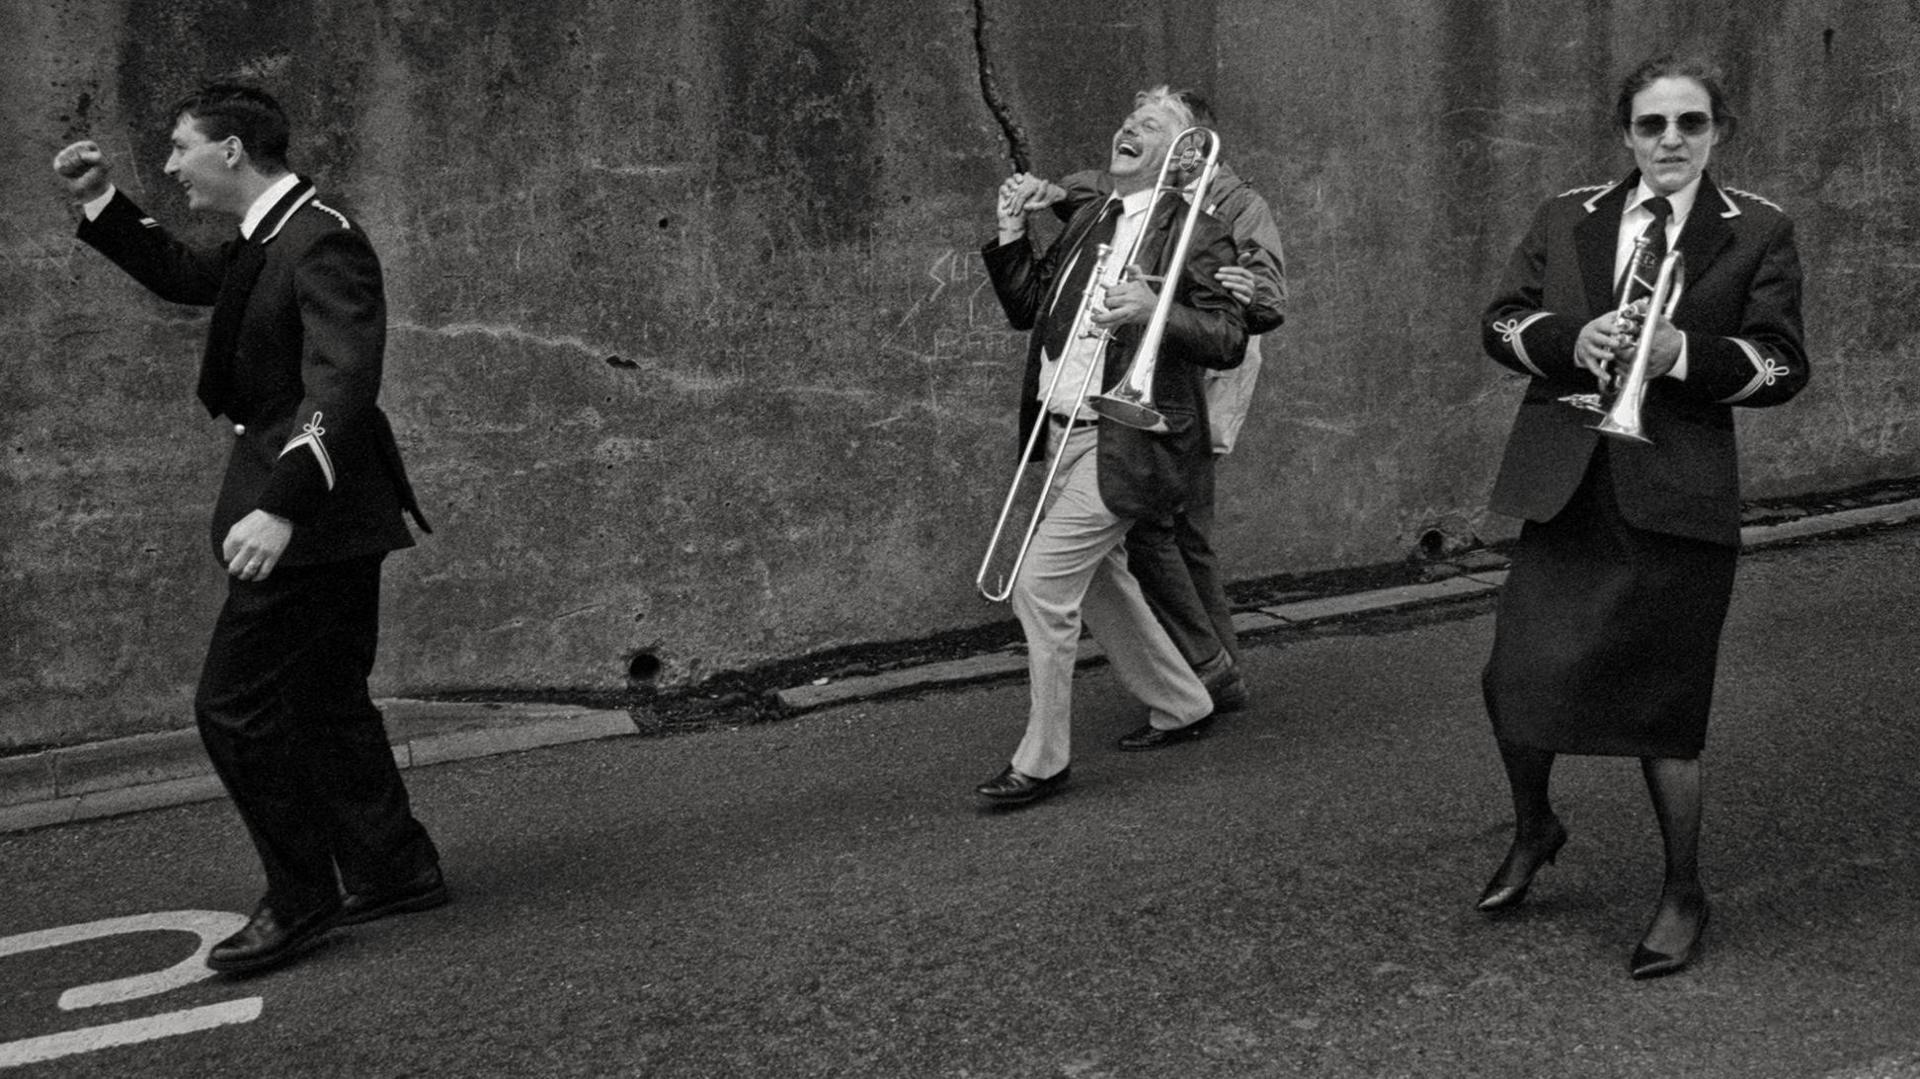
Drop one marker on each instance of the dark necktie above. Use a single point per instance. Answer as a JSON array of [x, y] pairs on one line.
[[245, 259], [1067, 301], [1637, 284]]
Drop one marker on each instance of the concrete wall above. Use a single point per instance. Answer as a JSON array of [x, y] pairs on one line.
[[691, 350]]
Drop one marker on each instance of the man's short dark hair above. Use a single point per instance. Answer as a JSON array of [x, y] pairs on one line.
[[1669, 66], [1197, 104], [230, 110]]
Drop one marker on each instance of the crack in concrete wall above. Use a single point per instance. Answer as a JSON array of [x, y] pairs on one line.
[[990, 91]]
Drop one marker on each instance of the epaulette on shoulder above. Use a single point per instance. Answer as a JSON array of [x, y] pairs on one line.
[[331, 212], [1761, 199], [1571, 191]]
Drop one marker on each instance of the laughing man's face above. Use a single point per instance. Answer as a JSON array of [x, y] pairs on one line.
[[1141, 145]]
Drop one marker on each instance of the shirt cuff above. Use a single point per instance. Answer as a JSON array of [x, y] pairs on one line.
[[1680, 365], [92, 208]]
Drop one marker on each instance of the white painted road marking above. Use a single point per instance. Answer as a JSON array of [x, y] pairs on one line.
[[88, 1039], [208, 925]]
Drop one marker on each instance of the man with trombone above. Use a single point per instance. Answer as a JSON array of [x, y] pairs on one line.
[[1174, 559], [1125, 301]]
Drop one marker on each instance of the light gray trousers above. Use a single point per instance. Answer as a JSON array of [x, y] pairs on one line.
[[1078, 568]]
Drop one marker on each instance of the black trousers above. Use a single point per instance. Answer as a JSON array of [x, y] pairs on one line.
[[1180, 576], [284, 712]]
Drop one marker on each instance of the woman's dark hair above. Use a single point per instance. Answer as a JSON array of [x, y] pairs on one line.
[[1670, 66], [231, 109]]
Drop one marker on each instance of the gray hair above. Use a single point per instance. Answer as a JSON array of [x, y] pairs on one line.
[[1164, 96]]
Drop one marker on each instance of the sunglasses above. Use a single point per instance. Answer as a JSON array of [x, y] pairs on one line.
[[1652, 126]]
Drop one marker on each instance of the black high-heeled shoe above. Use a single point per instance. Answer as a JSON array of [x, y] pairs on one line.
[[1647, 963], [1515, 875]]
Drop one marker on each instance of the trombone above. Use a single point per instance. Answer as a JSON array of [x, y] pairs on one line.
[[1129, 404], [1623, 418]]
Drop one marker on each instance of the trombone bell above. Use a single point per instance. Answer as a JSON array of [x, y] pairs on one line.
[[1122, 408]]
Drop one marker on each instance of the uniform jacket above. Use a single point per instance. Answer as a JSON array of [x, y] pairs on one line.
[[1256, 238], [294, 359], [1142, 474], [1740, 312]]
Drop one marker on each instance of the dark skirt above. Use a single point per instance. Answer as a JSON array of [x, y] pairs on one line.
[[1607, 635]]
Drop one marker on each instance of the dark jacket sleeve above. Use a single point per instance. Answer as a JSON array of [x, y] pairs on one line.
[[1205, 325], [1765, 362], [1020, 278], [1256, 239], [1515, 330], [1081, 187], [342, 309], [152, 256]]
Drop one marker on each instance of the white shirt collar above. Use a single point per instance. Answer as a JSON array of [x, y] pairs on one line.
[[1136, 203], [1682, 199], [265, 202]]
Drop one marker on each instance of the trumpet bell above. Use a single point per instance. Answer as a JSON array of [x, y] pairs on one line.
[[1626, 427]]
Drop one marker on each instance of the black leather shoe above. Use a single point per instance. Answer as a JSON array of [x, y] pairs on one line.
[[1014, 787], [424, 892], [1221, 676], [1229, 691], [1647, 963], [1152, 737], [270, 938], [1515, 875]]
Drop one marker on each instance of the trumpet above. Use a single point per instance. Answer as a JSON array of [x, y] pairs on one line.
[[1131, 402], [1623, 418]]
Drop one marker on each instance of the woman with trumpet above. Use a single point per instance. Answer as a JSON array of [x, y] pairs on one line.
[[1094, 301], [1608, 628]]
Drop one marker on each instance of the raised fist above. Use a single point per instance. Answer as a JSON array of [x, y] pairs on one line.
[[84, 168]]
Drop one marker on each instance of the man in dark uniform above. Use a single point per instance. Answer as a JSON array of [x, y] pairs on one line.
[[311, 503], [1609, 626]]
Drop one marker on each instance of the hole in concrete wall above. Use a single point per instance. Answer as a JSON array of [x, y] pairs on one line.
[[1445, 538], [643, 667], [664, 222]]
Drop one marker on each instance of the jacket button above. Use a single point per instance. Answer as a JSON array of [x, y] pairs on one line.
[[239, 429]]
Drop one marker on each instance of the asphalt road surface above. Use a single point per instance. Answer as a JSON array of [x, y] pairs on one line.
[[1291, 896]]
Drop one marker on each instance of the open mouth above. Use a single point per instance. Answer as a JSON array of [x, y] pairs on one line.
[[1126, 147]]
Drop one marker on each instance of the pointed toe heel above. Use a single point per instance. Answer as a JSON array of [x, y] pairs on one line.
[[1647, 963], [1515, 875]]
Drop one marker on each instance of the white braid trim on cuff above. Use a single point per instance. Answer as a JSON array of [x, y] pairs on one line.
[[1510, 331], [309, 437], [1766, 369]]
